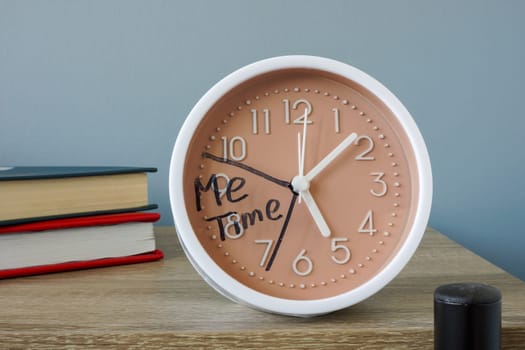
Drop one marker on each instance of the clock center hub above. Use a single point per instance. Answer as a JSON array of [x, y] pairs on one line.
[[300, 184]]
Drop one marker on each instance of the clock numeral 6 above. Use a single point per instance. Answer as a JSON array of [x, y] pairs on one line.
[[235, 148], [302, 265]]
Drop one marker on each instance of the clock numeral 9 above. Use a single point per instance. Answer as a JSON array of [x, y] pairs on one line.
[[235, 148]]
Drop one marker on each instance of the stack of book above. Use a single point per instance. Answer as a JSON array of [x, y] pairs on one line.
[[68, 218]]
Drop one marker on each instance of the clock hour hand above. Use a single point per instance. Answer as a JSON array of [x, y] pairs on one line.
[[301, 185], [330, 157]]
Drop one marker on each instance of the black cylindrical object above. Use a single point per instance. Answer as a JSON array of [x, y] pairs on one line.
[[467, 316]]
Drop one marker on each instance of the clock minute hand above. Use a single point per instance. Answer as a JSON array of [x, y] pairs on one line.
[[330, 157]]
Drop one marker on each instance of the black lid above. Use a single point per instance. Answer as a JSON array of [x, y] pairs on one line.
[[467, 316]]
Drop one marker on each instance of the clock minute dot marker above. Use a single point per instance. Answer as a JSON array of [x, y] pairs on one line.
[[214, 237], [336, 98], [261, 278], [266, 94], [292, 285], [376, 128], [381, 136], [313, 285], [306, 90], [286, 90], [248, 102], [281, 284], [219, 245], [276, 91], [387, 145], [368, 258], [345, 102], [333, 280], [271, 281], [362, 114], [239, 108], [217, 129], [251, 274], [386, 234], [394, 164], [257, 97], [390, 154], [396, 174], [343, 276], [226, 254], [396, 184], [243, 268], [396, 204], [302, 286], [317, 91], [368, 120], [324, 283], [231, 114], [354, 107], [234, 261], [208, 147], [391, 224], [296, 89], [397, 194], [352, 271], [374, 251], [326, 93], [394, 215], [360, 265], [381, 242]]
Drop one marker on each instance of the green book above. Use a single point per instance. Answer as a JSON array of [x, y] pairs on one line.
[[37, 193]]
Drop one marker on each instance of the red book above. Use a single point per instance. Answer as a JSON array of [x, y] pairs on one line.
[[77, 243]]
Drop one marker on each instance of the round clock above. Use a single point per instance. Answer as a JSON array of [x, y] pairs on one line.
[[299, 185]]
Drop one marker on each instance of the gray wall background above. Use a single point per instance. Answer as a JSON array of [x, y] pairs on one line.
[[111, 82]]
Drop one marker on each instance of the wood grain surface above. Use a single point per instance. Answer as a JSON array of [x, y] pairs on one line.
[[166, 304]]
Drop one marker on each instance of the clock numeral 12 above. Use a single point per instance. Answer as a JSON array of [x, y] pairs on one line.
[[295, 106]]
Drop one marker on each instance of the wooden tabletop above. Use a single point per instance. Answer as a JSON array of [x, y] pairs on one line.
[[166, 304]]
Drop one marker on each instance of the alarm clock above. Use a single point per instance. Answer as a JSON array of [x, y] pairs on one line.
[[299, 185]]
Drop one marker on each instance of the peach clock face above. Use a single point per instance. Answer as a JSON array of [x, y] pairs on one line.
[[298, 185]]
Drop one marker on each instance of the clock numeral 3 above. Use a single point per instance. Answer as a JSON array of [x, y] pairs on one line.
[[379, 180]]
